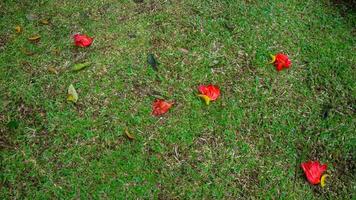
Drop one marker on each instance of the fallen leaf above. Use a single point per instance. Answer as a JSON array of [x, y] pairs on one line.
[[31, 16], [80, 66], [72, 94], [56, 52], [184, 50], [42, 114], [152, 61], [34, 38], [129, 135], [52, 70], [27, 52], [18, 29], [44, 21]]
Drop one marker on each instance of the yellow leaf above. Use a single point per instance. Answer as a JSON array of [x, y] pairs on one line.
[[72, 94], [129, 135], [44, 21], [52, 70], [34, 38], [322, 181], [18, 29], [273, 59], [205, 98]]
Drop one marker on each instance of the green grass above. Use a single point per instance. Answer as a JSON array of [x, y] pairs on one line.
[[247, 144]]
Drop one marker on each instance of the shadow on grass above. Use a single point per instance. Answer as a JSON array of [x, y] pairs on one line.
[[345, 7]]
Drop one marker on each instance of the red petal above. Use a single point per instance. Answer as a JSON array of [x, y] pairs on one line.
[[288, 64], [160, 107], [282, 61], [212, 91], [82, 40], [313, 171], [279, 67]]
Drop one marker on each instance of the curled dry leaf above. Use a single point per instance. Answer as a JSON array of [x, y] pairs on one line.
[[18, 29], [52, 70], [27, 52], [34, 38], [183, 50], [72, 94], [44, 21], [129, 135]]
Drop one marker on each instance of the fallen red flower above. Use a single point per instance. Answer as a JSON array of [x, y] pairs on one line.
[[281, 61], [160, 107], [82, 40], [209, 93], [313, 171]]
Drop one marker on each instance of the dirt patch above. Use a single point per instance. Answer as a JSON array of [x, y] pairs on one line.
[[346, 7], [32, 115], [3, 41], [22, 113], [343, 176], [248, 182], [148, 7], [348, 4]]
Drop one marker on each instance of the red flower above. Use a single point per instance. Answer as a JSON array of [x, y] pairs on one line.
[[160, 107], [209, 93], [313, 171], [281, 61], [82, 40]]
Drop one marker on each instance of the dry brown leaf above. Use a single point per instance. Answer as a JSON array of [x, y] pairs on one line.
[[184, 50], [34, 38], [18, 29], [27, 52], [44, 21], [52, 70], [56, 52], [129, 135]]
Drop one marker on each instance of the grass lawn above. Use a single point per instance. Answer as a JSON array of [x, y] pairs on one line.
[[246, 145]]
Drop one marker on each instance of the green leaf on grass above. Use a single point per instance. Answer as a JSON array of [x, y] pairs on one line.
[[80, 66]]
